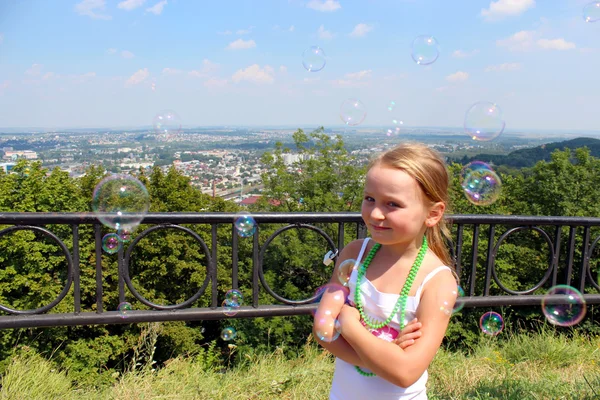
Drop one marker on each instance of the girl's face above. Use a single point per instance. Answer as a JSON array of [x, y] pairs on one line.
[[393, 206]]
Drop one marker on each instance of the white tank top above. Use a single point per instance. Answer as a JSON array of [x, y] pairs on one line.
[[347, 383]]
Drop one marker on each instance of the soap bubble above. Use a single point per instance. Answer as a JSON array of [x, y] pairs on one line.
[[591, 12], [327, 328], [234, 295], [230, 307], [344, 270], [313, 59], [111, 243], [564, 305], [491, 323], [425, 50], [353, 112], [228, 333], [484, 121], [480, 183], [124, 308], [245, 225], [167, 122], [120, 202]]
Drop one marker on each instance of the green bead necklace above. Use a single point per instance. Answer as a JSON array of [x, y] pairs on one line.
[[400, 304]]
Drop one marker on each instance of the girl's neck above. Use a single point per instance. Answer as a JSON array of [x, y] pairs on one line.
[[402, 250]]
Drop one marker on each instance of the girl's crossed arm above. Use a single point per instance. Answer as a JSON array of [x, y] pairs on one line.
[[403, 367]]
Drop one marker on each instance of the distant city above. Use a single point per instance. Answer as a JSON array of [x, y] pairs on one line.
[[225, 161]]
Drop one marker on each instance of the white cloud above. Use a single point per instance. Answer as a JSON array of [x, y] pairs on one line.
[[291, 28], [520, 41], [138, 77], [325, 6], [215, 82], [111, 51], [241, 44], [364, 74], [171, 71], [255, 74], [506, 8], [464, 54], [157, 9], [458, 76], [324, 34], [244, 31], [361, 30], [4, 85], [224, 32], [83, 77], [441, 88], [48, 75], [555, 44], [35, 70], [127, 54], [526, 41], [283, 69], [130, 4], [503, 67], [89, 8]]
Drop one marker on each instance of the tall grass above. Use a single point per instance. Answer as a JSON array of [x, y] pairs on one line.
[[535, 366]]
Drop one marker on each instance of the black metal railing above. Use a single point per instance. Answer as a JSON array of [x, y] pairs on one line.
[[479, 278]]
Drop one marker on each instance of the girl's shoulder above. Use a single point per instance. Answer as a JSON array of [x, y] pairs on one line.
[[352, 249]]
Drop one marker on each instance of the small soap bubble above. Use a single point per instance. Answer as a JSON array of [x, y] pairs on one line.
[[344, 271], [111, 243], [591, 12], [484, 121], [230, 307], [124, 235], [327, 328], [451, 301], [245, 225], [120, 202], [124, 308], [234, 295], [564, 305], [313, 59], [353, 112], [425, 50], [491, 323], [480, 183], [228, 333], [394, 128], [167, 122], [391, 106]]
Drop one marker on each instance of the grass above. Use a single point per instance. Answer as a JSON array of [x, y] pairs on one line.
[[541, 366]]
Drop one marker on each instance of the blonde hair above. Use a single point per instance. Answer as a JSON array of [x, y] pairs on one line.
[[427, 167]]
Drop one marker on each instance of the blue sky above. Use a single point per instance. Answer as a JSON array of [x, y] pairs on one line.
[[112, 63]]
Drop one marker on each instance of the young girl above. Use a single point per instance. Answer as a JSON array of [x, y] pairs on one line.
[[401, 272]]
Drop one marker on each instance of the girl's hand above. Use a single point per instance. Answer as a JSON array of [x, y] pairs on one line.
[[348, 314], [408, 335]]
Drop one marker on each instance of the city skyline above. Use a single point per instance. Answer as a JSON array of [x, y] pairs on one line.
[[98, 63]]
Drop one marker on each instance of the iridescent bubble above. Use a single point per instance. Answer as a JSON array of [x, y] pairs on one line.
[[391, 106], [451, 302], [591, 12], [230, 307], [338, 293], [120, 202], [124, 308], [313, 59], [111, 243], [167, 122], [228, 333], [245, 226], [394, 128], [353, 112], [234, 295], [481, 185], [327, 328], [344, 271], [124, 235], [460, 301], [484, 121], [491, 323], [425, 50], [564, 305]]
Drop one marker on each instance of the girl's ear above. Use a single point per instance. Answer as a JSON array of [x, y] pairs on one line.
[[436, 213]]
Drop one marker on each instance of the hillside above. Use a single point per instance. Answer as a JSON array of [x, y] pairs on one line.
[[529, 157]]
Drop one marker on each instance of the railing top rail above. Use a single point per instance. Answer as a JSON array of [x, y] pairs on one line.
[[284, 217]]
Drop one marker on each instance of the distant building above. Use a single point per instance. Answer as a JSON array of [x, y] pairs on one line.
[[14, 155], [7, 166]]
